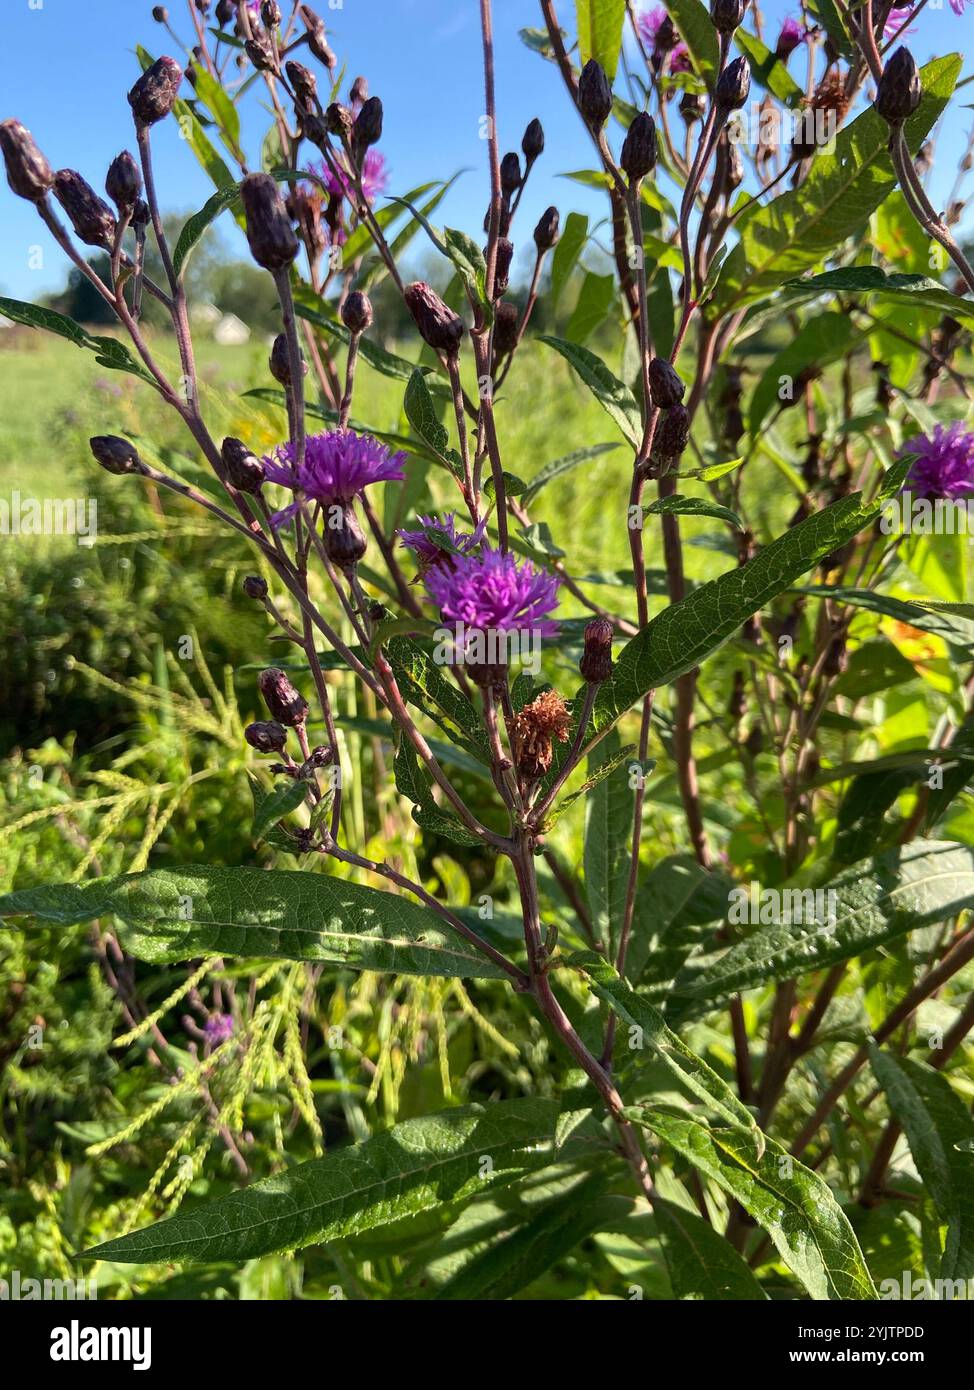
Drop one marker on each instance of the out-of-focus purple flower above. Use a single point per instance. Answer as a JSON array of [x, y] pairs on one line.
[[792, 36], [491, 591], [338, 465], [945, 463], [897, 18], [457, 542], [375, 177], [218, 1028], [648, 23], [958, 5], [680, 59]]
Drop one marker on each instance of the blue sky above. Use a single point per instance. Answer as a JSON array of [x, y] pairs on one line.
[[65, 67]]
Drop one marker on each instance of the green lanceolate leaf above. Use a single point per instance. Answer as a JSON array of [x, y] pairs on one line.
[[421, 414], [415, 783], [679, 505], [613, 396], [792, 1203], [567, 252], [594, 302], [425, 686], [940, 1131], [876, 900], [608, 828], [698, 33], [109, 352], [600, 31], [691, 1071], [198, 910], [285, 798], [768, 70], [700, 1262], [414, 1167], [798, 229], [605, 768], [563, 465], [196, 225], [529, 1252], [917, 291], [684, 634], [954, 622], [675, 901]]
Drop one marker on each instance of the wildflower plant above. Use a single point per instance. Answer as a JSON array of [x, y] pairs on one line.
[[624, 957]]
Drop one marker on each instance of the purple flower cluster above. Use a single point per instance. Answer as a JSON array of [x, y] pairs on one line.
[[945, 462], [337, 467], [375, 177], [648, 23], [489, 590], [425, 547]]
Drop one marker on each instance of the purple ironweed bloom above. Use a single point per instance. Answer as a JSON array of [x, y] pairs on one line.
[[457, 542], [649, 23], [218, 1028], [958, 5], [897, 18], [338, 465], [375, 177], [945, 463], [491, 591], [792, 36]]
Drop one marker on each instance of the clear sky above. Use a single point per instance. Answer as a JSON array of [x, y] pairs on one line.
[[66, 65]]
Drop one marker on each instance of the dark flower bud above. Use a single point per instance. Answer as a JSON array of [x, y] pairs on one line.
[[244, 469], [266, 735], [510, 174], [317, 37], [666, 35], [506, 319], [28, 172], [261, 53], [693, 107], [140, 215], [203, 6], [898, 94], [673, 435], [532, 142], [502, 275], [733, 85], [114, 454], [160, 14], [727, 15], [437, 323], [594, 94], [339, 120], [344, 539], [123, 182], [546, 232], [357, 312], [91, 217], [270, 13], [596, 663], [367, 129], [273, 244], [303, 81], [255, 587], [665, 386], [285, 704], [359, 91], [154, 95], [836, 657], [638, 156]]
